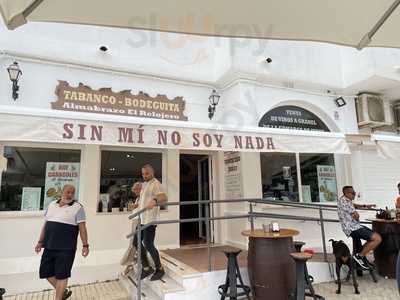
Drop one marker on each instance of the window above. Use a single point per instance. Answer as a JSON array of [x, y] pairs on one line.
[[119, 171], [35, 176], [318, 177], [279, 176]]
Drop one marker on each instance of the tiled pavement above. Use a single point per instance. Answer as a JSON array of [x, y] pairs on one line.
[[110, 290], [385, 289]]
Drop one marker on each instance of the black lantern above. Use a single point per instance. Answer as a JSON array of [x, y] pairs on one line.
[[15, 73], [214, 99]]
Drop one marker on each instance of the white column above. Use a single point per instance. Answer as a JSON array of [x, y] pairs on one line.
[[90, 178], [251, 175], [168, 236]]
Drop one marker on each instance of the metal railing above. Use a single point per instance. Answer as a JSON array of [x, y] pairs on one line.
[[251, 216]]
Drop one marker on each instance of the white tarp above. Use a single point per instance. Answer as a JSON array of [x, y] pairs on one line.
[[54, 130], [387, 146], [343, 22]]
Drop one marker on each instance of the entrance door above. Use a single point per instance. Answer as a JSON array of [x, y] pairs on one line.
[[204, 188], [195, 185]]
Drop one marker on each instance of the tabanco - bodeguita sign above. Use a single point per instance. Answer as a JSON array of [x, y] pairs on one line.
[[105, 101]]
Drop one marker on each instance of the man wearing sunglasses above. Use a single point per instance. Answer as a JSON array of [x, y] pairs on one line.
[[350, 221]]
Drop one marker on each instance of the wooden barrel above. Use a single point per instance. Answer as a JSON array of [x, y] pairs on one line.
[[272, 271], [386, 253]]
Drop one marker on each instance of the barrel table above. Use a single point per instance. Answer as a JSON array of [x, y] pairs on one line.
[[386, 253], [272, 271]]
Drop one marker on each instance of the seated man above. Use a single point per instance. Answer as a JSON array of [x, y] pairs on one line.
[[350, 221]]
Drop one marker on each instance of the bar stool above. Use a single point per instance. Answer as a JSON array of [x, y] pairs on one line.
[[2, 292], [229, 289], [298, 245], [357, 247], [303, 283]]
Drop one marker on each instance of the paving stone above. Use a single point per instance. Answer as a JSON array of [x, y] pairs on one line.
[[384, 289]]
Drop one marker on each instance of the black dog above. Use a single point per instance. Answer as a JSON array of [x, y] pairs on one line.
[[343, 257], [2, 292]]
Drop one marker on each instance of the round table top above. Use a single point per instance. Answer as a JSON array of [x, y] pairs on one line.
[[260, 233], [301, 256]]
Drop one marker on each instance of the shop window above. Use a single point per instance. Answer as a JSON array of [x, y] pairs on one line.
[[119, 171], [318, 177], [35, 176], [279, 176]]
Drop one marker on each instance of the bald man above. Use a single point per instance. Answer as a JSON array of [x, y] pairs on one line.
[[152, 196], [64, 219]]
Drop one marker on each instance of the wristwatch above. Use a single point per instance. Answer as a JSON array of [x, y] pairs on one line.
[[85, 246]]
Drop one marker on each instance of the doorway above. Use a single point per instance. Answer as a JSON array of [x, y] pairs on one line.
[[195, 185]]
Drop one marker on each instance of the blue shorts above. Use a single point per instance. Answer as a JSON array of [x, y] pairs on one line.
[[363, 233], [56, 263]]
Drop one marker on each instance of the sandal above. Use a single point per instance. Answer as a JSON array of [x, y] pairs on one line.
[[67, 294], [128, 269]]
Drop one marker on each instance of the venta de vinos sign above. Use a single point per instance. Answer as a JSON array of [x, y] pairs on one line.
[[84, 99]]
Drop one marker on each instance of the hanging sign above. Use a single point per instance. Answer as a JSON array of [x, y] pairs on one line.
[[104, 101], [59, 174], [327, 183]]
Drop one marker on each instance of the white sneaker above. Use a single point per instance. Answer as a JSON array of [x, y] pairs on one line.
[[359, 260]]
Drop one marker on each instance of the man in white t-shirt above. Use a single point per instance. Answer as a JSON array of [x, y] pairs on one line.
[[152, 196]]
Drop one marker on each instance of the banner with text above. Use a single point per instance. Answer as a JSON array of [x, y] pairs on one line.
[[41, 129]]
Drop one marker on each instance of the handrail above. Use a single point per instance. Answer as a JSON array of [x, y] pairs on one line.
[[327, 207], [135, 214], [251, 215]]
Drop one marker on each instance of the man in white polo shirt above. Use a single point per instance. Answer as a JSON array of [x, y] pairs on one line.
[[151, 196], [65, 218]]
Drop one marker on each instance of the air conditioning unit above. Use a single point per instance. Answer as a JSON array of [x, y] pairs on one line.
[[371, 111]]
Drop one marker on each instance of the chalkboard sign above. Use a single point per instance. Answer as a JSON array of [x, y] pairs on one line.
[[292, 117]]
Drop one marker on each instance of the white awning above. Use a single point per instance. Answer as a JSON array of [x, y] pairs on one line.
[[357, 23], [388, 146], [160, 135]]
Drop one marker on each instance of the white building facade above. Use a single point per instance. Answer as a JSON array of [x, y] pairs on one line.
[[315, 148]]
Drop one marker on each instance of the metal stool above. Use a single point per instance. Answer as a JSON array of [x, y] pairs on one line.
[[303, 280], [357, 247], [2, 292], [298, 245], [229, 289]]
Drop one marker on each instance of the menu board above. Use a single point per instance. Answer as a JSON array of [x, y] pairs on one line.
[[104, 199], [59, 174], [306, 190], [233, 179], [327, 183], [30, 200]]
